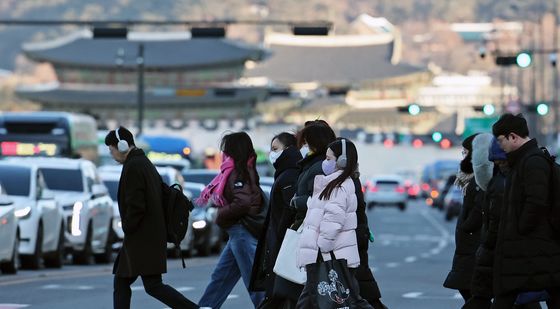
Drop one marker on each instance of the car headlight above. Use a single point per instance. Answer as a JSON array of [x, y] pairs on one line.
[[23, 213], [200, 224], [75, 228]]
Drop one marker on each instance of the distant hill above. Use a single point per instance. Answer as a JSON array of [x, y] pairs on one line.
[[339, 11]]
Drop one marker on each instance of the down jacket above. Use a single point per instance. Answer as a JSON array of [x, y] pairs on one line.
[[330, 225]]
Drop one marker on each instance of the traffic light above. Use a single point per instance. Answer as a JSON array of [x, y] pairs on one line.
[[487, 109], [412, 109], [417, 143], [445, 143], [542, 108], [437, 137], [523, 60]]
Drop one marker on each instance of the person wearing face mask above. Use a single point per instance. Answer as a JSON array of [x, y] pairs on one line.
[[331, 221], [469, 224], [284, 156]]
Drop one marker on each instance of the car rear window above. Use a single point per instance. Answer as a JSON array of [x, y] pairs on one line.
[[16, 180], [63, 179], [113, 187]]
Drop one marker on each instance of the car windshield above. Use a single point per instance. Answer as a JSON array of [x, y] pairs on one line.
[[16, 180], [63, 179], [113, 187]]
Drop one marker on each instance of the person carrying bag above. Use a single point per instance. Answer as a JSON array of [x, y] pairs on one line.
[[329, 229], [286, 263]]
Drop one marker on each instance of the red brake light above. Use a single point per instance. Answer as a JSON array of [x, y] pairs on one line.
[[373, 189], [400, 189], [425, 187]]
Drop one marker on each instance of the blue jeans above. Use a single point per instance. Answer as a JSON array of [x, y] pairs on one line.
[[236, 261]]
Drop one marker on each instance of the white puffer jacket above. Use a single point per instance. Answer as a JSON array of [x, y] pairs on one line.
[[330, 225]]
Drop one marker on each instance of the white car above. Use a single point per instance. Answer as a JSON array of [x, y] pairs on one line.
[[40, 217], [386, 190], [111, 181], [9, 235], [86, 203]]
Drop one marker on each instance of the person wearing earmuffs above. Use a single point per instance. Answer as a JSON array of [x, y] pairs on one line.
[[144, 250]]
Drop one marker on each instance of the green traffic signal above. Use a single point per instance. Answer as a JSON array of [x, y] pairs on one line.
[[437, 137], [542, 109], [524, 59], [414, 109]]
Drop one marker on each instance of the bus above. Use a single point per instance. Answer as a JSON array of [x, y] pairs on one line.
[[51, 134]]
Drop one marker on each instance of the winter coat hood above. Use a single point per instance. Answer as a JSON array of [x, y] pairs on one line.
[[483, 168], [289, 159]]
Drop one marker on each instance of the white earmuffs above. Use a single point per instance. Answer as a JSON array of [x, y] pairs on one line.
[[342, 160], [122, 145]]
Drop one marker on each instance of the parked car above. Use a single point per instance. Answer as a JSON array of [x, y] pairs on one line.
[[9, 235], [86, 203], [111, 181], [208, 236], [40, 217], [386, 190], [452, 203], [202, 176]]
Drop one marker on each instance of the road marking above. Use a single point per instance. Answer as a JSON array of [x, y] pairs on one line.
[[68, 287], [425, 255], [12, 306], [232, 296], [392, 265], [137, 288], [422, 295], [410, 259], [185, 288]]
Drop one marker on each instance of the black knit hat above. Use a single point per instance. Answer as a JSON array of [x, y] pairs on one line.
[[509, 123], [467, 143]]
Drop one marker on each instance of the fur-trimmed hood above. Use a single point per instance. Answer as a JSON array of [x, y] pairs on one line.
[[483, 168]]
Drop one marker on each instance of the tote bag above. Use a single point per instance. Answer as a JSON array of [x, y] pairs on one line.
[[286, 262]]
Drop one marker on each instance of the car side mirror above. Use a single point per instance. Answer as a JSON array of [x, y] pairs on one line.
[[98, 190], [47, 195]]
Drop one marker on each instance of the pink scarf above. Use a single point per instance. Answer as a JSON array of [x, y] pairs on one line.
[[215, 190]]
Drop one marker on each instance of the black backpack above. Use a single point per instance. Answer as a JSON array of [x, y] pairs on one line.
[[176, 209], [554, 217]]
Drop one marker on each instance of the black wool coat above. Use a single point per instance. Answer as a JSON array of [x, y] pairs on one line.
[[279, 218], [310, 167], [467, 239], [144, 249], [527, 256]]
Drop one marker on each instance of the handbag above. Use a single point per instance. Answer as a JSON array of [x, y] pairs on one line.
[[331, 286], [286, 262]]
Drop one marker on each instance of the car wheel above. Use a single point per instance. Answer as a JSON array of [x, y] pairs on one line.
[[402, 206], [12, 266], [106, 256], [84, 257], [34, 261], [56, 259]]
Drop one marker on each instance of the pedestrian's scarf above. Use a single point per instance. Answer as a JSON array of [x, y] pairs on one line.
[[214, 192], [462, 181]]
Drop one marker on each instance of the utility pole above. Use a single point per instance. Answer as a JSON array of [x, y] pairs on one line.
[[140, 90]]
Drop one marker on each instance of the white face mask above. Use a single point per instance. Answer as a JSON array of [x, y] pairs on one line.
[[274, 155], [304, 150]]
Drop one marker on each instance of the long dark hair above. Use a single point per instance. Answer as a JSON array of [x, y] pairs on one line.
[[348, 171], [317, 136], [240, 148]]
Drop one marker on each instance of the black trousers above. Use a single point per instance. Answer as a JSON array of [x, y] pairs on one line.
[[507, 301], [154, 287]]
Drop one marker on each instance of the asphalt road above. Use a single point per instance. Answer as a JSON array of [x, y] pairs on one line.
[[411, 256]]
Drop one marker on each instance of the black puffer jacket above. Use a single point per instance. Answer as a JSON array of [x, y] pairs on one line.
[[310, 167], [467, 239], [527, 256], [280, 217], [482, 278]]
